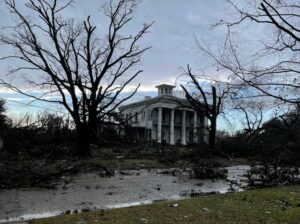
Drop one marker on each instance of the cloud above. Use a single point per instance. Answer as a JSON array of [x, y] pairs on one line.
[[18, 99], [171, 36], [194, 19]]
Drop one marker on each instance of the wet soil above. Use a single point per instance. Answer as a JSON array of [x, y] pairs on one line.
[[89, 191]]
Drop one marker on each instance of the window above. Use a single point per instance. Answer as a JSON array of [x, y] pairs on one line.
[[177, 118], [143, 115], [154, 113], [191, 117]]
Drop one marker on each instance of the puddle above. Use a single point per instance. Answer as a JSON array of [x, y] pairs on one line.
[[90, 191]]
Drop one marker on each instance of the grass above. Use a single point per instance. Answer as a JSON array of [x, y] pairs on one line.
[[273, 205]]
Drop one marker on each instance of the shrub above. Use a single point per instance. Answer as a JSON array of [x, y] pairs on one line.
[[209, 171], [272, 175]]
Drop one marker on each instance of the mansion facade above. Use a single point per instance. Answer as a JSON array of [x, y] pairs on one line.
[[165, 119]]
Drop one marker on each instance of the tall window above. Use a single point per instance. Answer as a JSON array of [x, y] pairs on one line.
[[163, 116], [143, 115]]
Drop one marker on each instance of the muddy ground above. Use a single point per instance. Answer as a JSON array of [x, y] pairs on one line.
[[89, 191], [44, 173]]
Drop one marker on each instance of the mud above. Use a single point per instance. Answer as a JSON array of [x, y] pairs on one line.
[[89, 191]]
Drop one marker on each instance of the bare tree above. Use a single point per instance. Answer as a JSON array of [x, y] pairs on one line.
[[273, 69], [207, 102], [252, 118], [61, 56], [3, 119]]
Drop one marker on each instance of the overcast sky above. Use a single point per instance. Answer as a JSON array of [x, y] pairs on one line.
[[176, 22], [172, 37]]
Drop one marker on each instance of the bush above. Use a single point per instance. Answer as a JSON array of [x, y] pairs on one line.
[[234, 146], [209, 171], [169, 155], [49, 136], [272, 175]]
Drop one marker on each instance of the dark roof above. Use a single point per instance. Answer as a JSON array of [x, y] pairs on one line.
[[165, 85], [166, 98]]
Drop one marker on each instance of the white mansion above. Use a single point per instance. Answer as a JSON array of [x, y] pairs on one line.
[[165, 118]]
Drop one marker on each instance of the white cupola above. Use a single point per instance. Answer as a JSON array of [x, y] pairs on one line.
[[165, 89]]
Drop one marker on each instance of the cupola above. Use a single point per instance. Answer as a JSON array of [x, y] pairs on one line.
[[165, 89]]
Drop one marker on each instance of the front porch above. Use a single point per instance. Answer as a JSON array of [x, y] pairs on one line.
[[177, 126]]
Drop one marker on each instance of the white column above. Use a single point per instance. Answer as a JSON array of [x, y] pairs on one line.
[[205, 125], [172, 142], [159, 125], [183, 132], [195, 128]]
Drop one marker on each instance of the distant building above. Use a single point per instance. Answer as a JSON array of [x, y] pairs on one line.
[[166, 118]]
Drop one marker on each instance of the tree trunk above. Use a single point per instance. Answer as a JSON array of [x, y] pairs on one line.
[[83, 140], [212, 133]]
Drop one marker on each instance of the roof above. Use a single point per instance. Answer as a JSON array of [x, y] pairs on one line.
[[166, 98], [165, 85]]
